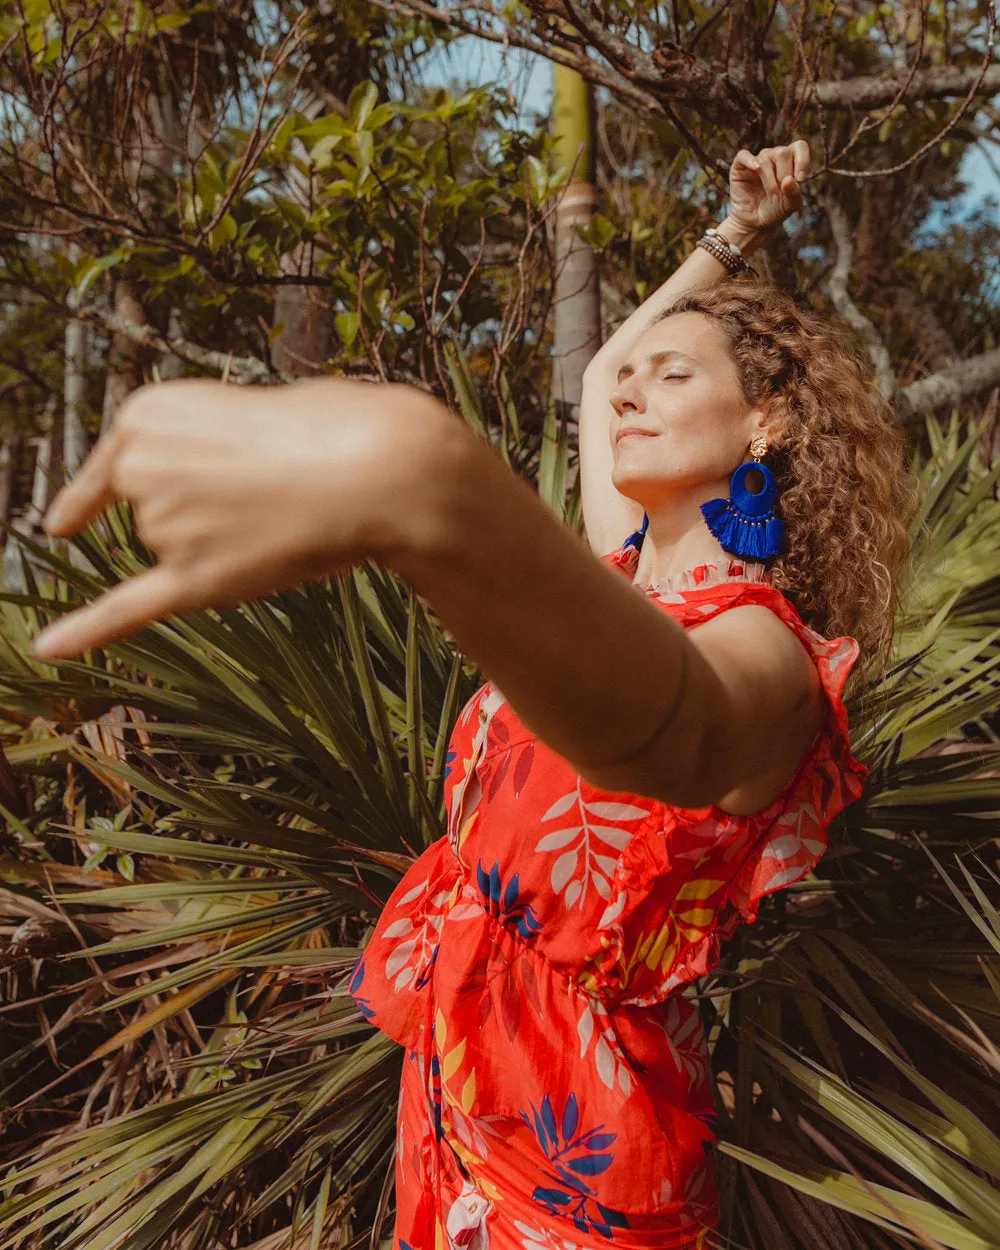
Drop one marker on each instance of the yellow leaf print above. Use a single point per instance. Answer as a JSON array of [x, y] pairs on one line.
[[467, 829], [453, 1060], [469, 1092], [654, 955], [440, 1029], [698, 889], [695, 921], [489, 1189]]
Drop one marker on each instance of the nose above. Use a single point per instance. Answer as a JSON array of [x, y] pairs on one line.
[[628, 396]]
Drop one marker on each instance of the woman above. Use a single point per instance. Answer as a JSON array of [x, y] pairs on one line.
[[662, 740]]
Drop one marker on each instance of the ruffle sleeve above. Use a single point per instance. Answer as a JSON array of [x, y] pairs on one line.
[[685, 886]]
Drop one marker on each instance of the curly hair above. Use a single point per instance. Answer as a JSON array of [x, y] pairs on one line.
[[839, 455]]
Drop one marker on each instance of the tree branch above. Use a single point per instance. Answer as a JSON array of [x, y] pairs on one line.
[[671, 73], [244, 370], [950, 386], [928, 84], [837, 287]]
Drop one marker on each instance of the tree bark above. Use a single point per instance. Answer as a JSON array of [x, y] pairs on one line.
[[126, 358], [304, 312], [576, 294], [949, 386]]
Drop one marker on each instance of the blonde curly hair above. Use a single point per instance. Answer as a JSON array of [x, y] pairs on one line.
[[839, 455]]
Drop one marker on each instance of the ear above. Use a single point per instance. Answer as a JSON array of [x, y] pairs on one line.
[[769, 420]]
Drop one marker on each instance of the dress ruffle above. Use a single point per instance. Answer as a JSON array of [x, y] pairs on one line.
[[728, 862]]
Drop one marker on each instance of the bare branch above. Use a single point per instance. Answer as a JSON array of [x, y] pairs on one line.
[[949, 386], [837, 288], [244, 370], [936, 83]]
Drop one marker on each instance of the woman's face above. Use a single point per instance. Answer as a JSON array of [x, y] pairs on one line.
[[680, 386]]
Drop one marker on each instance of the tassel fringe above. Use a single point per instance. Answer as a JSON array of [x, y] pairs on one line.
[[753, 538]]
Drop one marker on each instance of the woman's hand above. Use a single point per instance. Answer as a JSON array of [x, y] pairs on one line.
[[242, 492], [764, 189]]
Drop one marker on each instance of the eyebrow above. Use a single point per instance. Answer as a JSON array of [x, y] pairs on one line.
[[655, 360]]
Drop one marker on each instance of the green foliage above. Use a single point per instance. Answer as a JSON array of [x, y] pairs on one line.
[[200, 824]]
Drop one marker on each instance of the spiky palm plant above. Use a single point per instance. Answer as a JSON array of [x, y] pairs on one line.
[[202, 820]]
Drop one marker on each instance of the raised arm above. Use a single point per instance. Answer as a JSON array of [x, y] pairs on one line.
[[758, 206]]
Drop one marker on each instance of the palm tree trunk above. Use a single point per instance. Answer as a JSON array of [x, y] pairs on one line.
[[577, 285]]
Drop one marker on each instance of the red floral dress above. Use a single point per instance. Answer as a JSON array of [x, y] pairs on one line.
[[555, 1091]]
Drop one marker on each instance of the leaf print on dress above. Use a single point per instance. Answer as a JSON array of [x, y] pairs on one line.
[[573, 1156], [415, 945], [354, 989], [609, 1062], [584, 846], [505, 904]]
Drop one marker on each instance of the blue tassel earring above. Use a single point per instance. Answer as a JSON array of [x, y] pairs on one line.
[[745, 523], [635, 538]]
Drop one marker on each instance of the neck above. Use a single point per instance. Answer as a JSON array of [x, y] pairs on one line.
[[677, 537]]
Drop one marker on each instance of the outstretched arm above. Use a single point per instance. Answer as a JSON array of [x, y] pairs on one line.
[[761, 197], [315, 477]]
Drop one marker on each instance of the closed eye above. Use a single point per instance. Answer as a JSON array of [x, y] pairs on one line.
[[667, 376]]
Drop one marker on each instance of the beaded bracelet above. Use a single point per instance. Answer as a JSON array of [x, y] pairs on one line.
[[728, 254]]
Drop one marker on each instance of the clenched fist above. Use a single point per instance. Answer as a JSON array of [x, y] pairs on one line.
[[764, 189]]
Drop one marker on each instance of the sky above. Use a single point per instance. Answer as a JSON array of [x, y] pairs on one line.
[[528, 78]]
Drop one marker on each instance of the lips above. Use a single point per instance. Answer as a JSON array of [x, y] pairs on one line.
[[633, 429]]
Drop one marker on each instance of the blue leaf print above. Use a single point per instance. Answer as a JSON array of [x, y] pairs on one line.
[[543, 1141], [611, 1216], [449, 762], [549, 1120], [428, 972], [571, 1158], [495, 883], [571, 1117], [572, 1181], [505, 904], [555, 1196], [591, 1165], [354, 986]]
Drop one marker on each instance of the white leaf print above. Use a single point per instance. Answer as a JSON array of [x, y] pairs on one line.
[[399, 957], [585, 1030], [787, 845], [783, 878], [563, 869], [605, 1062], [572, 893], [612, 912], [618, 838], [410, 895], [404, 978], [556, 840], [440, 899], [606, 863], [398, 928], [616, 811], [624, 1079], [601, 886], [465, 911], [560, 806]]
